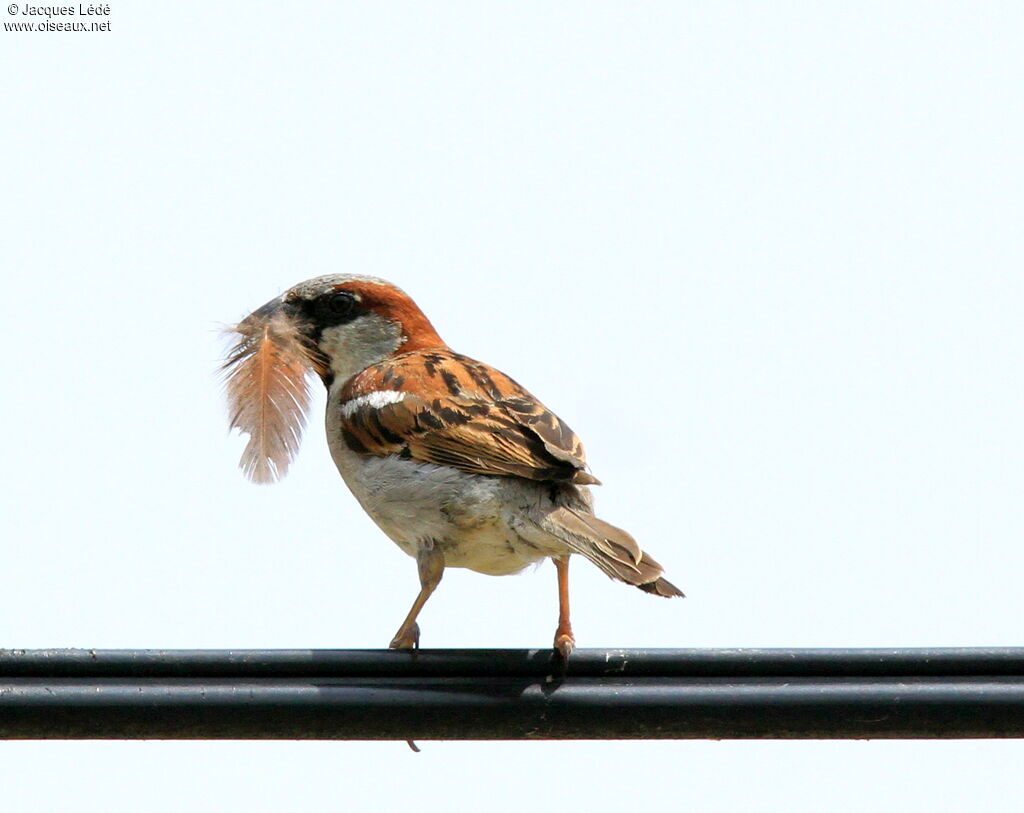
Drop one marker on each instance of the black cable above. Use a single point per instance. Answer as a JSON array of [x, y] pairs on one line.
[[512, 694]]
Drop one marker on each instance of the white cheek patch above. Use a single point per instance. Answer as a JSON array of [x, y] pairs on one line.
[[374, 400], [356, 345]]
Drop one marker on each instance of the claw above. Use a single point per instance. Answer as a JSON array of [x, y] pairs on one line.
[[564, 644], [408, 637]]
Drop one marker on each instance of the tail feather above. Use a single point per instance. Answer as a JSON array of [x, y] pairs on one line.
[[662, 587], [611, 549]]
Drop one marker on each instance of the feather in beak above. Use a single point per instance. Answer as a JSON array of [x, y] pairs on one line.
[[267, 382]]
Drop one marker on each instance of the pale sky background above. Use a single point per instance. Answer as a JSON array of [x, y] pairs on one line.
[[765, 259]]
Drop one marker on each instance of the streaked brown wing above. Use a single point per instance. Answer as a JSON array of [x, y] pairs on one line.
[[457, 412]]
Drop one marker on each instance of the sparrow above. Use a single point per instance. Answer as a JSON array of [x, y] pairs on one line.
[[452, 459]]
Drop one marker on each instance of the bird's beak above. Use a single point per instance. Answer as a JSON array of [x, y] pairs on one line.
[[280, 322], [262, 314]]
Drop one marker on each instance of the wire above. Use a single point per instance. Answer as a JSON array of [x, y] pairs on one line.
[[512, 694]]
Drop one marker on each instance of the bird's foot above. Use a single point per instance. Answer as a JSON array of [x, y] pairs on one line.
[[565, 643], [408, 637]]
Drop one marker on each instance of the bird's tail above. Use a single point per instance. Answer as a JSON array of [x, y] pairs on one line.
[[611, 549]]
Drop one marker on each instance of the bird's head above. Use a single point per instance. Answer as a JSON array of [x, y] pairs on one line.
[[334, 326], [347, 322]]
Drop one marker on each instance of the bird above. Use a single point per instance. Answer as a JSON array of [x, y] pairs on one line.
[[453, 460]]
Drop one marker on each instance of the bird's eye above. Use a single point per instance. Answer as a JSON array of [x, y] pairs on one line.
[[340, 304]]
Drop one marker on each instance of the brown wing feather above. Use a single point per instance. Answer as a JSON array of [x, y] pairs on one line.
[[459, 412]]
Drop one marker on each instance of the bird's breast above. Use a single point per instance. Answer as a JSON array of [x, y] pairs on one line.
[[472, 517]]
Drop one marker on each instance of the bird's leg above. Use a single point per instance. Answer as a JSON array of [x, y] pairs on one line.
[[564, 640], [430, 561]]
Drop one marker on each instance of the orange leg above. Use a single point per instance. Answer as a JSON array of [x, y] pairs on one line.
[[430, 561], [564, 640]]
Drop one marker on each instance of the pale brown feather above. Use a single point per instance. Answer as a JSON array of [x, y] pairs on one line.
[[268, 391]]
